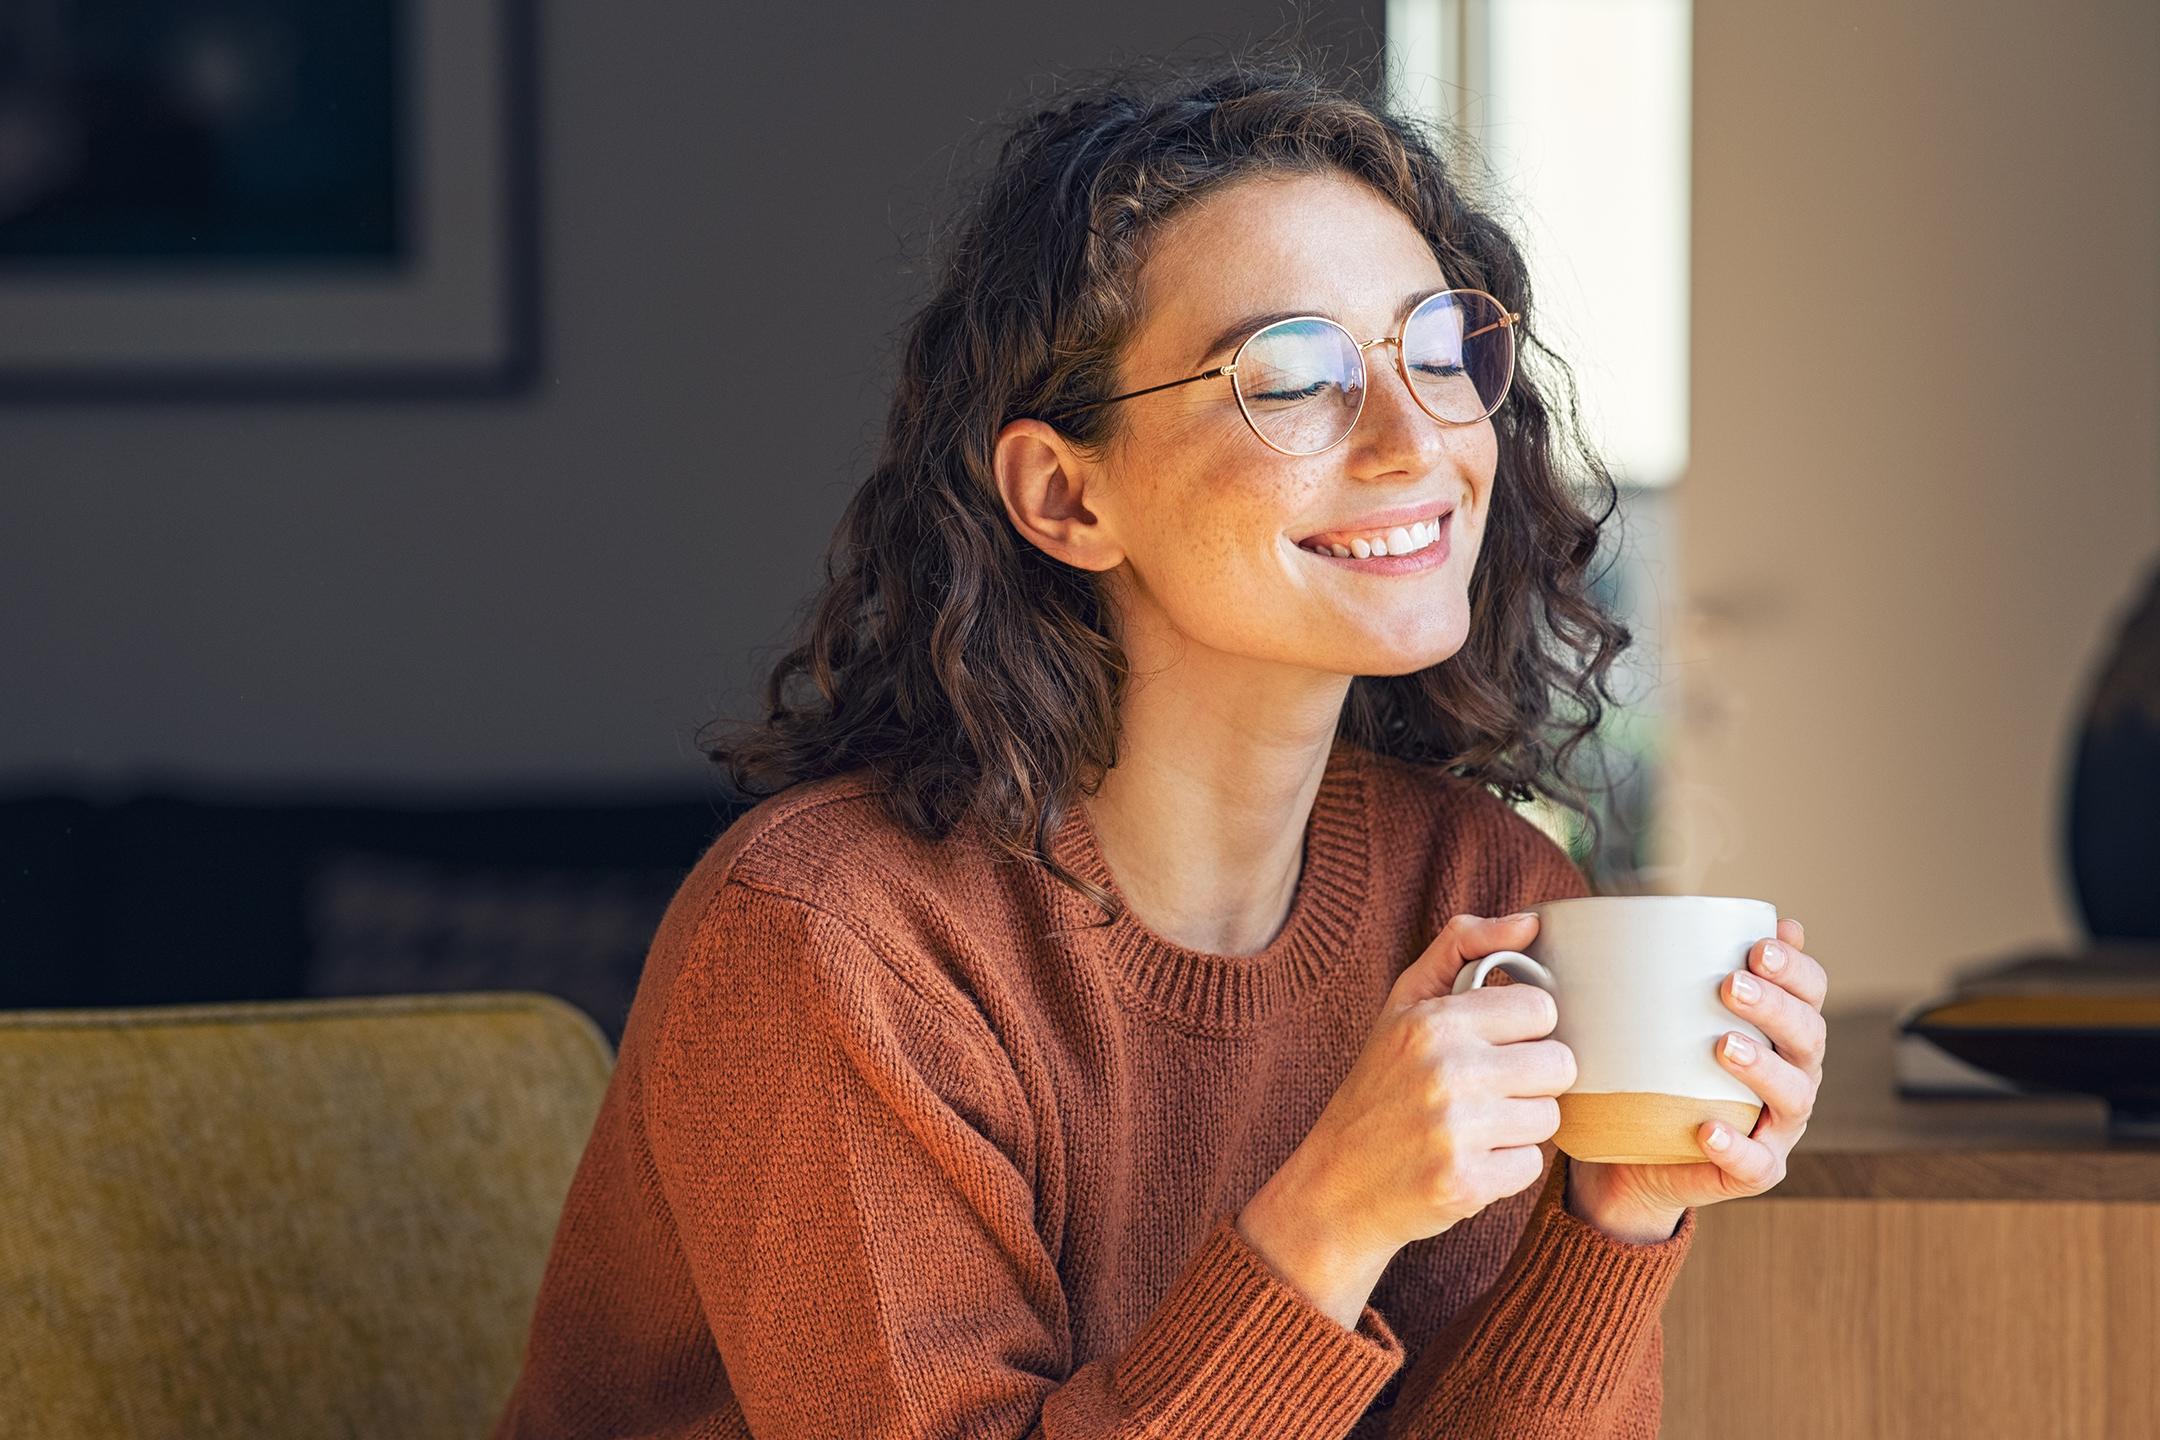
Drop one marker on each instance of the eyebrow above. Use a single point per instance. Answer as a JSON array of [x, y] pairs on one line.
[[1244, 325]]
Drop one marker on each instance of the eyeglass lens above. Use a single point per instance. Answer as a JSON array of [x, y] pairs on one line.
[[1301, 382]]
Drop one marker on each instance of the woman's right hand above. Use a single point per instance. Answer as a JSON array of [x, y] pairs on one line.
[[1441, 1114]]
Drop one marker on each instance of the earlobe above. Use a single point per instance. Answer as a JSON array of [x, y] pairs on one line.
[[1044, 485]]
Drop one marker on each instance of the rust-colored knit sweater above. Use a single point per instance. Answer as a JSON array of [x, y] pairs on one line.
[[896, 1146]]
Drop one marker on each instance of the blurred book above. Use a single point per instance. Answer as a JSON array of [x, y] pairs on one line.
[[2110, 983]]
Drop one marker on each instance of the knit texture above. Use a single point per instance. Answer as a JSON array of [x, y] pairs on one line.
[[902, 1142]]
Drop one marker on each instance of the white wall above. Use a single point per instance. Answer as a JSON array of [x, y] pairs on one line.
[[1925, 460]]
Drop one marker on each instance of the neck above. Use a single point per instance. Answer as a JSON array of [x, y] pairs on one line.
[[1203, 820]]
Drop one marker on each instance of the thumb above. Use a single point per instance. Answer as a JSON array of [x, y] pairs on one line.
[[1464, 940]]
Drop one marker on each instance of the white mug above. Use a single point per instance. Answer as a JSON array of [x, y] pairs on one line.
[[1636, 979]]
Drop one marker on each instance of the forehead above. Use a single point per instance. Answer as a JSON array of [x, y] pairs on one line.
[[1327, 243]]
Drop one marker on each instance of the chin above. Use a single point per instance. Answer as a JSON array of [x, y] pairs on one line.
[[1416, 643], [1384, 660]]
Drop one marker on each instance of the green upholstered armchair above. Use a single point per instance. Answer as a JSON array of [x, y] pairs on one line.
[[314, 1217]]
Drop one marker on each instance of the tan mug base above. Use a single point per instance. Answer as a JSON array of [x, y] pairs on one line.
[[1639, 1127]]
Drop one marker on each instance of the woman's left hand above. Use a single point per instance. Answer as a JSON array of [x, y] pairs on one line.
[[1787, 1007]]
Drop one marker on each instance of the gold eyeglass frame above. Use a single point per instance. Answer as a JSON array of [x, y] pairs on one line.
[[1508, 318]]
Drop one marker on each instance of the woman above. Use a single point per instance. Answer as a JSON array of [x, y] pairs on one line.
[[1065, 1046]]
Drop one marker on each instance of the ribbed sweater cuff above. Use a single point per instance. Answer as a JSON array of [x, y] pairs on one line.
[[1234, 1346], [1574, 1308]]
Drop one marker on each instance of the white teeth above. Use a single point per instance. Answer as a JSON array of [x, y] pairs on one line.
[[1401, 540]]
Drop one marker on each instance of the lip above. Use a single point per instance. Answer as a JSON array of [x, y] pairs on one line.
[[1432, 557], [1385, 519]]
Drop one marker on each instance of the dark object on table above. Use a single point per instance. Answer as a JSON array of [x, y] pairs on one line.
[[2085, 1024], [169, 898], [2113, 816]]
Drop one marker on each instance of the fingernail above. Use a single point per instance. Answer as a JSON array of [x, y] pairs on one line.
[[1773, 957], [1744, 986], [1521, 915], [1719, 1138], [1739, 1049]]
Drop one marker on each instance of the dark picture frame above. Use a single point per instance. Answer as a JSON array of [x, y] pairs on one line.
[[380, 240]]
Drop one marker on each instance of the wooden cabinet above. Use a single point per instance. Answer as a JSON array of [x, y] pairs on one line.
[[1956, 1268]]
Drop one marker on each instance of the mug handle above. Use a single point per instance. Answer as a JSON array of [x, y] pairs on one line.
[[1517, 964]]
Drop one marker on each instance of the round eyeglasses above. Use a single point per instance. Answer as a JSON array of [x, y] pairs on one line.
[[1301, 382]]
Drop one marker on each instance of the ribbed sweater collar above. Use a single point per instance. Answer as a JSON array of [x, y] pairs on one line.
[[1227, 994]]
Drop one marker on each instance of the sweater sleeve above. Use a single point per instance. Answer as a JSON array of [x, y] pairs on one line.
[[847, 1159], [1568, 1342]]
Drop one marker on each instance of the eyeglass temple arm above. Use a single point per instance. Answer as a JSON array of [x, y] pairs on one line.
[[1508, 319], [1166, 385]]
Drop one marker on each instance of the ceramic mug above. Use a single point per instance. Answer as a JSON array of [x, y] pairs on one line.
[[1636, 979]]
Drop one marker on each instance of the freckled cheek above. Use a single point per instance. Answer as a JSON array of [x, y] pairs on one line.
[[1196, 548], [1231, 507], [1230, 560], [1480, 466], [1237, 518]]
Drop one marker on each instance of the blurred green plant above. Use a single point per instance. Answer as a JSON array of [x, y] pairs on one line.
[[1618, 767]]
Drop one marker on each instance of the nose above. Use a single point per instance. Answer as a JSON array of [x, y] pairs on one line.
[[1393, 423]]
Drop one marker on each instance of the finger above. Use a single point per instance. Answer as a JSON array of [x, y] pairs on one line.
[[1534, 1068], [1792, 932], [1792, 968], [1463, 940], [1788, 1094], [1506, 1014], [1526, 1121], [1795, 1028], [1748, 1165]]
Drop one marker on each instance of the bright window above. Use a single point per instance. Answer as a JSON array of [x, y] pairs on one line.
[[1580, 108], [1579, 114]]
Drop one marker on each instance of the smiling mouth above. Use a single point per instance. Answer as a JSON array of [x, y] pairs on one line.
[[1397, 540]]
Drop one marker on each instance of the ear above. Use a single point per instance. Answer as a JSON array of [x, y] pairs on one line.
[[1045, 485]]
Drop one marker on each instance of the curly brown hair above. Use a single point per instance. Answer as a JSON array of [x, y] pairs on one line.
[[976, 674]]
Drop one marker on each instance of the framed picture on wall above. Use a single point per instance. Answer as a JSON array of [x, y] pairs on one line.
[[316, 197]]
